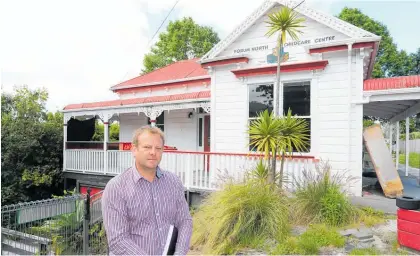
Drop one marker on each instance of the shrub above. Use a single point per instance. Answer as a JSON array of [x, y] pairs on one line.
[[370, 217], [311, 241], [240, 215], [319, 198]]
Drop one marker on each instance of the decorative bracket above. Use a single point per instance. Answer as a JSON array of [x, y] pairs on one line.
[[206, 107], [66, 118], [210, 70], [153, 113], [244, 80], [105, 116], [316, 72]]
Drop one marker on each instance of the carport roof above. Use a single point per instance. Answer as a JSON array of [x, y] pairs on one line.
[[393, 98], [390, 83]]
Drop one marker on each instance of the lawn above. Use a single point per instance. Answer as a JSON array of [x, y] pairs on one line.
[[413, 161]]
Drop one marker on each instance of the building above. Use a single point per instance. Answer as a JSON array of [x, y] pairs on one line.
[[204, 105]]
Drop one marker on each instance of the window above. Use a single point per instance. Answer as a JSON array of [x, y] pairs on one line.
[[160, 121], [200, 132], [296, 96], [260, 99]]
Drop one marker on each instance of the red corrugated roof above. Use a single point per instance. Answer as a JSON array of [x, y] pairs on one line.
[[135, 101], [399, 82], [178, 70]]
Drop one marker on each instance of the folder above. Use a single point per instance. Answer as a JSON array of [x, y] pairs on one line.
[[171, 240]]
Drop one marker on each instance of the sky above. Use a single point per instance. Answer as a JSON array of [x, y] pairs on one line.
[[78, 49]]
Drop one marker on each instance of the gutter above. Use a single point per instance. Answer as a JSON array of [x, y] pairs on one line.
[[223, 58], [113, 88], [162, 103]]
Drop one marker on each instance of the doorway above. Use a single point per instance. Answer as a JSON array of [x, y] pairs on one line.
[[204, 133]]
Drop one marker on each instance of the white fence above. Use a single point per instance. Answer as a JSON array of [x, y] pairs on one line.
[[414, 146], [197, 170]]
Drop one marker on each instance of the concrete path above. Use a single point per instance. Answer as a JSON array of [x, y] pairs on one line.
[[376, 201]]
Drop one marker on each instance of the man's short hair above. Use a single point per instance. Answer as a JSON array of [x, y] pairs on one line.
[[149, 129]]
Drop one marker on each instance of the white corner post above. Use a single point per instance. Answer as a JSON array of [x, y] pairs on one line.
[[105, 119], [349, 77], [390, 137], [64, 142], [106, 139], [397, 146], [407, 148]]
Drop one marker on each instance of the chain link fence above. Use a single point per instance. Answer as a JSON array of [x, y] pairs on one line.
[[70, 225]]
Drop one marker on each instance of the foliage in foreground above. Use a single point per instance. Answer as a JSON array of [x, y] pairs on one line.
[[271, 135], [311, 241], [31, 146], [238, 216], [319, 198]]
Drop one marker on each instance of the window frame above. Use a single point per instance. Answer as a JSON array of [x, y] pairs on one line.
[[281, 103]]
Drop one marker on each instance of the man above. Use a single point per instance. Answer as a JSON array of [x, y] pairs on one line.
[[140, 204]]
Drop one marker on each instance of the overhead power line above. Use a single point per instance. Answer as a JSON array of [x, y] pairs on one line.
[[298, 5], [162, 22]]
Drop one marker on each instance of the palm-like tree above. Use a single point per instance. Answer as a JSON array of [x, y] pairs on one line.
[[286, 21], [294, 136], [269, 134], [264, 135]]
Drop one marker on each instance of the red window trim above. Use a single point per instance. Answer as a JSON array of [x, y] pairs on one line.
[[341, 47], [287, 67]]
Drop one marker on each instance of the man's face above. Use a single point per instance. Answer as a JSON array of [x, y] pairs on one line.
[[149, 151]]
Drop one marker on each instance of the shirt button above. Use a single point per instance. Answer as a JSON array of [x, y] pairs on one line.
[[157, 214], [160, 229]]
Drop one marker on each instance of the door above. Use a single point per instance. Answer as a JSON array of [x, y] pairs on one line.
[[204, 133], [204, 138]]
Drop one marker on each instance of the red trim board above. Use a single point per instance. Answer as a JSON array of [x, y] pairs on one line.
[[285, 67]]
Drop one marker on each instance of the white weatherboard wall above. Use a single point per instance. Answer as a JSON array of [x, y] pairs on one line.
[[180, 131], [230, 113], [330, 104], [334, 116]]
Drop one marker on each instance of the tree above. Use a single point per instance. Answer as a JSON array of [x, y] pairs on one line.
[[283, 22], [416, 62], [114, 132], [270, 134], [32, 147], [389, 61], [184, 39]]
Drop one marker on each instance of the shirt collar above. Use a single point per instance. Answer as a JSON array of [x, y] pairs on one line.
[[137, 176]]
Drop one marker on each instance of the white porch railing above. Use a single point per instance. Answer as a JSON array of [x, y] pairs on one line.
[[197, 170]]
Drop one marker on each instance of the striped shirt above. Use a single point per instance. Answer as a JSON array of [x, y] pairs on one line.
[[137, 213]]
